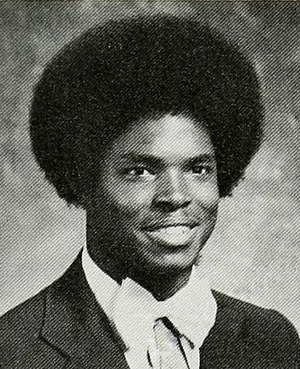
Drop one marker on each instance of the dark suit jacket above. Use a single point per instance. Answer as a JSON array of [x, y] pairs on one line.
[[63, 327]]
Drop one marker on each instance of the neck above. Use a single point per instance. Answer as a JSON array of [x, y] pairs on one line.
[[161, 284], [107, 264]]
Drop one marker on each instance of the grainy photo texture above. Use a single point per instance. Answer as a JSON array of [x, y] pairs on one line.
[[149, 184]]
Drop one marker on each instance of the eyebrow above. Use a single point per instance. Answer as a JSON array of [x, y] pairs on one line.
[[156, 161]]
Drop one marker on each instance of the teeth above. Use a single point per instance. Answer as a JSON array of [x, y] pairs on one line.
[[174, 231], [173, 235]]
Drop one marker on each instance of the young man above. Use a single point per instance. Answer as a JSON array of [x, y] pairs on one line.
[[145, 123]]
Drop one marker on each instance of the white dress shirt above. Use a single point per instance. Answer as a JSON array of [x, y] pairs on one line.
[[133, 311]]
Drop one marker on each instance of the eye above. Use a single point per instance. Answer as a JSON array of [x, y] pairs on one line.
[[201, 169], [140, 172]]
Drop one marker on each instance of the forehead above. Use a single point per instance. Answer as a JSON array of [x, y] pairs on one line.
[[167, 136]]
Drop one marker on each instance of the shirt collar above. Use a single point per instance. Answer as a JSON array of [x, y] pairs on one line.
[[102, 285], [195, 300]]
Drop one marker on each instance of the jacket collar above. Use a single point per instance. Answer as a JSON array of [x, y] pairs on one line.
[[77, 327]]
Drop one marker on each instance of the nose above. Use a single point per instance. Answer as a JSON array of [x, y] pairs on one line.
[[171, 192]]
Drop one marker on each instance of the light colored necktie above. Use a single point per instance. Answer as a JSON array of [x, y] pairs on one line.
[[168, 352]]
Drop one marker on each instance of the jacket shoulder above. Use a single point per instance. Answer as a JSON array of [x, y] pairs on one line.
[[254, 314], [22, 324], [265, 330]]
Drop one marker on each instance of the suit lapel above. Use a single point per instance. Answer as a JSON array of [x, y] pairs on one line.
[[76, 326], [224, 345]]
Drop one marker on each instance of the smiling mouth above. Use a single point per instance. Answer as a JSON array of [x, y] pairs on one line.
[[175, 235]]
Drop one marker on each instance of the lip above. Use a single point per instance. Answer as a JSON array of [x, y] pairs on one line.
[[160, 225], [172, 235]]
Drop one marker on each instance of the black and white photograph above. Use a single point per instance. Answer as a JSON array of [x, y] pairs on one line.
[[149, 184]]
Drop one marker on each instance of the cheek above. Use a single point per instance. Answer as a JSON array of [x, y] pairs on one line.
[[127, 200], [207, 195], [207, 202]]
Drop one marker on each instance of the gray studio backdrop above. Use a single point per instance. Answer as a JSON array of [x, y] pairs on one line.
[[254, 253]]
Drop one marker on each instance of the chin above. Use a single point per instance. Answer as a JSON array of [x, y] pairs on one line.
[[170, 264], [153, 259]]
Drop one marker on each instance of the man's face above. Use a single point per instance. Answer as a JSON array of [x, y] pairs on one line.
[[155, 203]]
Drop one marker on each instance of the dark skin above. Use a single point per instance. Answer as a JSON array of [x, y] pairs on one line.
[[155, 203]]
